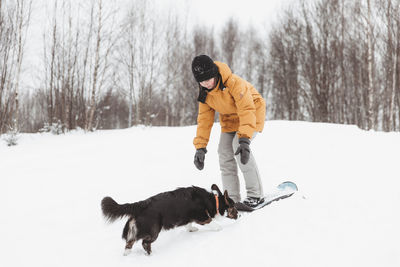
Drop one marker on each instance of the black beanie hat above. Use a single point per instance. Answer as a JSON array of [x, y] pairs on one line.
[[204, 68]]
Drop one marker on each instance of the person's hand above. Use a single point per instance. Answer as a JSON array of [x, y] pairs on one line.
[[244, 150], [199, 158]]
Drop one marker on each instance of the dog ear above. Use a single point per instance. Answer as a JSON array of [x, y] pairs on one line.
[[215, 187], [226, 196]]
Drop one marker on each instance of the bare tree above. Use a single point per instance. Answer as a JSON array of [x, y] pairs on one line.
[[127, 58], [106, 39], [396, 71], [172, 67], [370, 74], [14, 22], [22, 19], [6, 65], [140, 68], [203, 41], [391, 61], [77, 64], [52, 65], [230, 42], [92, 107], [325, 61]]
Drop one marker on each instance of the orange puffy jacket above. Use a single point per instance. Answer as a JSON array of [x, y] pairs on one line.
[[241, 108]]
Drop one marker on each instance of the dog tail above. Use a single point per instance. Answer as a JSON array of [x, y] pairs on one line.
[[113, 211]]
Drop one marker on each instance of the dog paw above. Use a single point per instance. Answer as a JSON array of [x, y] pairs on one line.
[[127, 252], [191, 228]]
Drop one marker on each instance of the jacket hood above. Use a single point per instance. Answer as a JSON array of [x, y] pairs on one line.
[[224, 70]]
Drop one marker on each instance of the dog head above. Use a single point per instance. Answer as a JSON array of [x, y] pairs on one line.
[[226, 203]]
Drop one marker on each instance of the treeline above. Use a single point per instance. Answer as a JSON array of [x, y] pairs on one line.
[[338, 61], [109, 67]]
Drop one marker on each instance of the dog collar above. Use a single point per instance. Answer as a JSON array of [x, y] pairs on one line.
[[216, 200]]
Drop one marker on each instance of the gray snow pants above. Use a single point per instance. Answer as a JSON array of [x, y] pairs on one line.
[[228, 144]]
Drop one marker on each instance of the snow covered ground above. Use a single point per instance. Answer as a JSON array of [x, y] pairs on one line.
[[346, 212]]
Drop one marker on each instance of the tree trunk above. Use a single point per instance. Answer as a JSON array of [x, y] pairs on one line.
[[95, 73], [370, 75]]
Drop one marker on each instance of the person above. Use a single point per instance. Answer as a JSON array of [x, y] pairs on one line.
[[241, 113]]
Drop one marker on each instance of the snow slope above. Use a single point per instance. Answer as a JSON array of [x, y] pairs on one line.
[[345, 214]]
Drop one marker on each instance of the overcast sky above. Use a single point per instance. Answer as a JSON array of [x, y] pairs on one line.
[[216, 12]]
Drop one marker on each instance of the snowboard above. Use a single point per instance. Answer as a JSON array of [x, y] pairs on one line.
[[283, 190]]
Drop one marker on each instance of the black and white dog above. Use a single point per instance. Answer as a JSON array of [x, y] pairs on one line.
[[167, 210]]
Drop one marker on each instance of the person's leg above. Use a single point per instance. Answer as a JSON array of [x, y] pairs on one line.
[[250, 172], [228, 167]]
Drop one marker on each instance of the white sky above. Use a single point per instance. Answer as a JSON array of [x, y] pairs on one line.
[[216, 12]]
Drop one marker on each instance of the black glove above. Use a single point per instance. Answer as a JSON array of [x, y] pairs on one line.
[[244, 150], [199, 158]]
